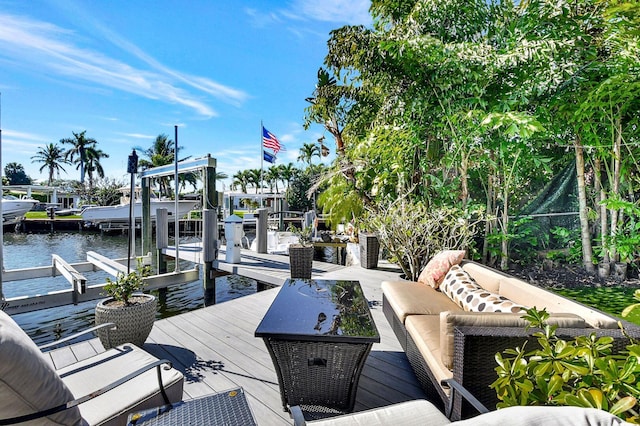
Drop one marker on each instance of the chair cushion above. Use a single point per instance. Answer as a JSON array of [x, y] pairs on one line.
[[439, 265], [139, 393], [28, 383], [547, 416], [417, 412]]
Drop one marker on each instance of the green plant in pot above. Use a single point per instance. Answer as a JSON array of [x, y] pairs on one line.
[[133, 312], [301, 254], [581, 372]]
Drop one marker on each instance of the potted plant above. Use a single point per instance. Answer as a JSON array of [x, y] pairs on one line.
[[133, 313], [301, 254]]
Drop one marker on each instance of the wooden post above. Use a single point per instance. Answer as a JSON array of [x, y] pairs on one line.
[[146, 216], [209, 252], [162, 238], [261, 230]]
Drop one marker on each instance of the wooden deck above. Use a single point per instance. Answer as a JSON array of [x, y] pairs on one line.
[[216, 349]]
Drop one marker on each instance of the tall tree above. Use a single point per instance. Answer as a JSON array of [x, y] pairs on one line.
[[161, 153], [52, 158], [93, 165], [307, 152], [16, 175], [77, 154]]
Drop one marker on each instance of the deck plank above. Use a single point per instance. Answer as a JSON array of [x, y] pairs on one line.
[[215, 347]]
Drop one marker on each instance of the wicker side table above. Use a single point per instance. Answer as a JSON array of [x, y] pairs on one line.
[[228, 408], [369, 250], [319, 334]]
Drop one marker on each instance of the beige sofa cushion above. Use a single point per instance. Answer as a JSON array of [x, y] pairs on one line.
[[412, 298], [439, 265], [486, 277], [425, 332], [449, 320], [522, 292], [28, 383]]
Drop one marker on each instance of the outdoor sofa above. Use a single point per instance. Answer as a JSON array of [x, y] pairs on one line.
[[450, 329]]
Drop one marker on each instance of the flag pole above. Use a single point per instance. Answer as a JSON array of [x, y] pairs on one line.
[[261, 164]]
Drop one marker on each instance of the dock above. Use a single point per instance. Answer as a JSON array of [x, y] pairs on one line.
[[215, 348]]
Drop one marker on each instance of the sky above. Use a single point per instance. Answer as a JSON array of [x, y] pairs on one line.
[[127, 71]]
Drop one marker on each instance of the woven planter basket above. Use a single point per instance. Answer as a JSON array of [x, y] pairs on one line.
[[133, 322], [300, 261], [369, 250]]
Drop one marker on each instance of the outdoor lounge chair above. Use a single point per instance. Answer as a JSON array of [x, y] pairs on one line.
[[421, 412], [99, 390]]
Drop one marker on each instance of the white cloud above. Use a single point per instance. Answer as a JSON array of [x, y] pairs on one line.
[[48, 48], [353, 12]]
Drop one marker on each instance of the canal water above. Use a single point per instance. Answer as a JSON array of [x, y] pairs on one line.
[[30, 250]]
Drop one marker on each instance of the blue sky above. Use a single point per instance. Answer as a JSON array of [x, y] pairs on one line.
[[127, 70]]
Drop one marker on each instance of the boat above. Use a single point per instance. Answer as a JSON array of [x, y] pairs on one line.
[[96, 215], [14, 208]]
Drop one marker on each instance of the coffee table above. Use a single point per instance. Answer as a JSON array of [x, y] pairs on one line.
[[229, 408], [319, 333]]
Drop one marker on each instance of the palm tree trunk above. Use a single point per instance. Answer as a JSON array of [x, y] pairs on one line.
[[587, 252]]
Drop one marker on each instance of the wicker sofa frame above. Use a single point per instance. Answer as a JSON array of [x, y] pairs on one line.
[[474, 357]]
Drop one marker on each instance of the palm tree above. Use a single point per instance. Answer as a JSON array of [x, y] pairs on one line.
[[272, 176], [161, 153], [307, 152], [78, 153], [241, 179], [93, 164], [254, 177], [52, 157], [287, 173]]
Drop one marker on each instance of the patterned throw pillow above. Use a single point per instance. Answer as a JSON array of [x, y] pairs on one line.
[[457, 284], [439, 265], [482, 300]]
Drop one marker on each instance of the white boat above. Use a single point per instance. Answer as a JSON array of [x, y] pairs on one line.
[[14, 209], [112, 214]]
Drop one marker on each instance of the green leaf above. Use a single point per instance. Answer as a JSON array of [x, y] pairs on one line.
[[625, 404]]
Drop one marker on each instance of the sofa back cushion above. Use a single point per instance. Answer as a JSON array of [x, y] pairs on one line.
[[449, 320], [28, 383], [487, 278], [434, 272], [522, 292]]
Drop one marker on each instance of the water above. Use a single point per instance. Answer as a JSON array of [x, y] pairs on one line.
[[31, 250]]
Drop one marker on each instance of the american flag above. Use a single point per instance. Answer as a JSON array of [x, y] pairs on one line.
[[270, 141]]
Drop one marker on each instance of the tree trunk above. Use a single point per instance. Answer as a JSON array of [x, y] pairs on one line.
[[615, 190], [603, 209], [587, 252], [504, 259], [489, 223], [464, 182]]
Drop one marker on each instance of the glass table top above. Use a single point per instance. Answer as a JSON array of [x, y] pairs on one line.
[[320, 310]]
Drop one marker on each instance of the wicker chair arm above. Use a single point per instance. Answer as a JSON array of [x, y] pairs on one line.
[[111, 326], [156, 364]]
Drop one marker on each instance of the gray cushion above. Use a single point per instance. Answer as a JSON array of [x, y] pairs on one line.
[[139, 393], [28, 383], [547, 416], [411, 413]]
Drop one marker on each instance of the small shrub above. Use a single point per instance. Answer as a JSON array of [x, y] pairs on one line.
[[581, 372]]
